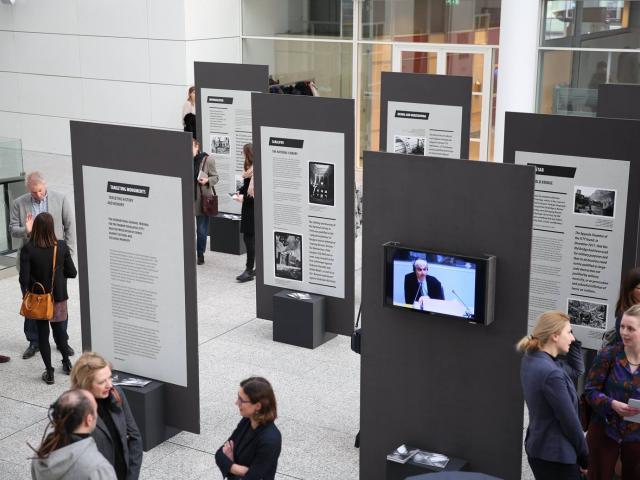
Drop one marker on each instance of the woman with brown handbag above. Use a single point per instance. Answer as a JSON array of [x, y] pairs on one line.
[[47, 261], [205, 176]]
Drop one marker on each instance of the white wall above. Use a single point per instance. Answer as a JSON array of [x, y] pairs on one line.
[[116, 61]]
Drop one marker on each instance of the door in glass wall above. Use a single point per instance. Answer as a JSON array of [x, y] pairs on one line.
[[473, 62]]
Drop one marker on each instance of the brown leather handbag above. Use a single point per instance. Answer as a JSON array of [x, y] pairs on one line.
[[39, 306], [209, 203]]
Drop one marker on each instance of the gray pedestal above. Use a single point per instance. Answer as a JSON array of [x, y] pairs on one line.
[[148, 408], [225, 236], [299, 322]]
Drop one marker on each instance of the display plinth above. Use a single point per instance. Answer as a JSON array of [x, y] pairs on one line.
[[147, 406], [225, 235], [400, 471], [299, 322]]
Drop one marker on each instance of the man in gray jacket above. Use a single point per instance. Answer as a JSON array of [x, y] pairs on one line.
[[25, 208], [74, 415]]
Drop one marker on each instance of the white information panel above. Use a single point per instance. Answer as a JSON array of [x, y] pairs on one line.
[[424, 129], [303, 209], [577, 240], [135, 265], [226, 128]]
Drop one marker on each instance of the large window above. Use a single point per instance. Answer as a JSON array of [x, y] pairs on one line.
[[343, 46], [584, 44]]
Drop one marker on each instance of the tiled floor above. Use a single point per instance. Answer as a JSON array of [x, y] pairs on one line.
[[317, 390]]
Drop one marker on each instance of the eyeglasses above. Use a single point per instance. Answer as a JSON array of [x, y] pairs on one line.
[[243, 401]]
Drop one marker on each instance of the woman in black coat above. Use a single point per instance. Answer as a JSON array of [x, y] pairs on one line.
[[116, 434], [245, 195], [252, 451], [36, 266]]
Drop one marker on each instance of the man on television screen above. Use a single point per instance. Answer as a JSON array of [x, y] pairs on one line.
[[418, 286]]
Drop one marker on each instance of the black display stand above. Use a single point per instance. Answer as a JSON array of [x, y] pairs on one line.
[[321, 115], [406, 356], [225, 235], [147, 406], [400, 471], [299, 322]]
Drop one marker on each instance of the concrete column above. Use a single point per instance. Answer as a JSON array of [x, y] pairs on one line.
[[518, 62]]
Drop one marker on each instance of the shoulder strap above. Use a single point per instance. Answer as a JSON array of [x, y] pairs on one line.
[[358, 317], [53, 268]]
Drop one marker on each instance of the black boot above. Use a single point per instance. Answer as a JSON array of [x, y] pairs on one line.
[[245, 276], [47, 376], [66, 366], [200, 258]]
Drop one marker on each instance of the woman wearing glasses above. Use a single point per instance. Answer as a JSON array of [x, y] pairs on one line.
[[252, 451], [116, 433]]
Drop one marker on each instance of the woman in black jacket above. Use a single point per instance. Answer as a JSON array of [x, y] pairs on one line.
[[116, 433], [252, 451], [245, 195], [36, 266]]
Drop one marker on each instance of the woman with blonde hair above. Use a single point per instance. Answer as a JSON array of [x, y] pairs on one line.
[[555, 444], [189, 112], [116, 434]]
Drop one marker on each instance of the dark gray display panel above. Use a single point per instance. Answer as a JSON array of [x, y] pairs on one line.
[[304, 210], [434, 382], [135, 226], [619, 101], [424, 114], [223, 113], [585, 213]]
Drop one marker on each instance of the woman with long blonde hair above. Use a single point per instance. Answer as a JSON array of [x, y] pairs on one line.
[[116, 434], [555, 444]]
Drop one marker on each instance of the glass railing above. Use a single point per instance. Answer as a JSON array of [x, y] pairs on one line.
[[10, 157], [11, 186]]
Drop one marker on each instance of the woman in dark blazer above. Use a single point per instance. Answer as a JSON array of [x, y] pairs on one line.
[[245, 195], [36, 266], [555, 444], [252, 451], [116, 433]]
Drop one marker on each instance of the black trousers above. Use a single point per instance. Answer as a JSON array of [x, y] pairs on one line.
[[545, 470], [59, 335], [250, 243]]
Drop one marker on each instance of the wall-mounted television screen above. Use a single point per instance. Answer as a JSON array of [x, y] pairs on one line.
[[441, 283]]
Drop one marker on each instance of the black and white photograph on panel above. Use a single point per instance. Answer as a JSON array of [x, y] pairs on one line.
[[408, 145], [321, 183], [288, 255], [220, 144], [587, 314], [594, 201]]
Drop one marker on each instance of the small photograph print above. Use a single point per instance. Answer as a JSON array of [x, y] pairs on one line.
[[321, 183], [410, 145], [220, 144], [594, 201], [288, 255], [587, 314]]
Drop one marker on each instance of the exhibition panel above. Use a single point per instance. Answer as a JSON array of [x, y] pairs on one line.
[[429, 379], [223, 93], [304, 172], [135, 228], [425, 115], [585, 227]]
